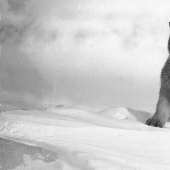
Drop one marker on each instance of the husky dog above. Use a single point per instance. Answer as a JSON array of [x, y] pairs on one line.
[[163, 106]]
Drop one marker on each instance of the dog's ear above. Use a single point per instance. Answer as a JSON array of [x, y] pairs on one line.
[[169, 24]]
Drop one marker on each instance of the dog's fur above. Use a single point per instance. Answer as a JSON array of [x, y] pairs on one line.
[[163, 106]]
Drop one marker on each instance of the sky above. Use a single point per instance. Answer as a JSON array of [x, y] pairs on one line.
[[94, 53]]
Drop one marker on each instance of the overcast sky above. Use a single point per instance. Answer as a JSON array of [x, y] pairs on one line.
[[87, 52]]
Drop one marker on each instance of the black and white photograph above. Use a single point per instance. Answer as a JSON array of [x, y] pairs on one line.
[[84, 84]]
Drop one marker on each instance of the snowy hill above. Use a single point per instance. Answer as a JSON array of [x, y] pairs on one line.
[[114, 138]]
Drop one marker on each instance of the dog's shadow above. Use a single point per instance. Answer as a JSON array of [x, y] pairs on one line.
[[141, 116]]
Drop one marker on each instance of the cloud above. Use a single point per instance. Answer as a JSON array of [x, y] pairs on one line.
[[121, 45], [3, 6], [100, 36], [93, 39]]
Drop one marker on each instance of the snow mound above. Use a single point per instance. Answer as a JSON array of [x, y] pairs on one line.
[[126, 113], [111, 139], [119, 113]]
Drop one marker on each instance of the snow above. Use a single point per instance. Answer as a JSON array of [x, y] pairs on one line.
[[97, 53], [114, 138]]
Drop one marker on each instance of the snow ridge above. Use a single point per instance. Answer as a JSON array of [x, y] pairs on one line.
[[114, 138]]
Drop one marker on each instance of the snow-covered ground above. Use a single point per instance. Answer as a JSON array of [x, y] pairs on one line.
[[92, 55], [111, 139]]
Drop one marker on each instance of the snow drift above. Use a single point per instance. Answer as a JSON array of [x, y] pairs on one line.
[[114, 138]]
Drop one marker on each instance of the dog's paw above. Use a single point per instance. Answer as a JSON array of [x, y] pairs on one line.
[[154, 122]]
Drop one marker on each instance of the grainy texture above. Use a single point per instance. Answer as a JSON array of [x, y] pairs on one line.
[[163, 106], [11, 154]]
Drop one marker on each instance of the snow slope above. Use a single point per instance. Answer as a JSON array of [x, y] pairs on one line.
[[111, 139]]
